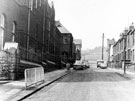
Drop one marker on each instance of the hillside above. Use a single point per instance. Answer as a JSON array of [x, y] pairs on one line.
[[94, 54]]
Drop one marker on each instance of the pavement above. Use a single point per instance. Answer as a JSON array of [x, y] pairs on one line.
[[129, 75], [15, 90]]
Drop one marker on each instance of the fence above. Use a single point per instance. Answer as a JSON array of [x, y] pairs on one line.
[[34, 76]]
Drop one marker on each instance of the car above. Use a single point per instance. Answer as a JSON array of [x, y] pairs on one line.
[[78, 67], [81, 65], [85, 63], [101, 64]]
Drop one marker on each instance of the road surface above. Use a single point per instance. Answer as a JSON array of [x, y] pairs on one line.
[[92, 84]]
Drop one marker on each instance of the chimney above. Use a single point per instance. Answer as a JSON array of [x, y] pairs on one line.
[[125, 31], [120, 35], [131, 27]]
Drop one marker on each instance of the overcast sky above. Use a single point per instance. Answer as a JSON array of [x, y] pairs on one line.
[[89, 19]]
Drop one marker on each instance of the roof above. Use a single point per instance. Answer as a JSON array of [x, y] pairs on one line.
[[61, 28], [77, 41]]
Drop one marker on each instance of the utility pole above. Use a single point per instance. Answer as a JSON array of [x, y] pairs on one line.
[[103, 46]]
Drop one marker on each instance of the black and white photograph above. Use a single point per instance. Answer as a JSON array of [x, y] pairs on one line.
[[67, 50]]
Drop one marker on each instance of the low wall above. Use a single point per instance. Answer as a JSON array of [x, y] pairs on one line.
[[34, 76]]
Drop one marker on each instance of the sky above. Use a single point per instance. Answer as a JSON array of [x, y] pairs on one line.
[[89, 19]]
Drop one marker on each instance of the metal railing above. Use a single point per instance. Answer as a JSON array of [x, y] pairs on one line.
[[33, 76]]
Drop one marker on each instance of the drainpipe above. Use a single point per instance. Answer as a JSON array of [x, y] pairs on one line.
[[43, 30]]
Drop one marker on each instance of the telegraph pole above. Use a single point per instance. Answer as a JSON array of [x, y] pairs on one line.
[[103, 46]]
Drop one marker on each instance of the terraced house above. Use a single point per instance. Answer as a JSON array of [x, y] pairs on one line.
[[124, 48]]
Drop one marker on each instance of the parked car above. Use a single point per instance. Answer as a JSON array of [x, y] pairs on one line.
[[101, 64], [78, 67], [81, 65], [86, 63]]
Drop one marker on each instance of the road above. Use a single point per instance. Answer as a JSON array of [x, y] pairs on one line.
[[92, 84]]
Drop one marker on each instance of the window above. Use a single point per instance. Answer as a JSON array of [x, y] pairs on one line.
[[2, 26], [13, 31], [39, 2], [49, 25], [65, 40], [133, 38], [36, 34], [2, 21], [35, 3], [31, 4], [133, 54]]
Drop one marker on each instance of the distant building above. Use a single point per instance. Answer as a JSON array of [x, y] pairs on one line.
[[66, 50], [78, 44], [110, 43]]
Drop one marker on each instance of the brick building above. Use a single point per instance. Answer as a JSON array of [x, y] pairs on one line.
[[31, 24], [67, 48], [124, 48]]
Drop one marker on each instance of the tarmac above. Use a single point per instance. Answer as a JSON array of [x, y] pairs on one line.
[[128, 75], [16, 91]]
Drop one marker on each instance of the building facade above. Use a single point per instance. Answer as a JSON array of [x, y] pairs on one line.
[[67, 48], [123, 49], [31, 24], [78, 43], [23, 23], [29, 27], [109, 50]]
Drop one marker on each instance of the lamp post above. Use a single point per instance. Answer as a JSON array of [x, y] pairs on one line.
[[124, 36]]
